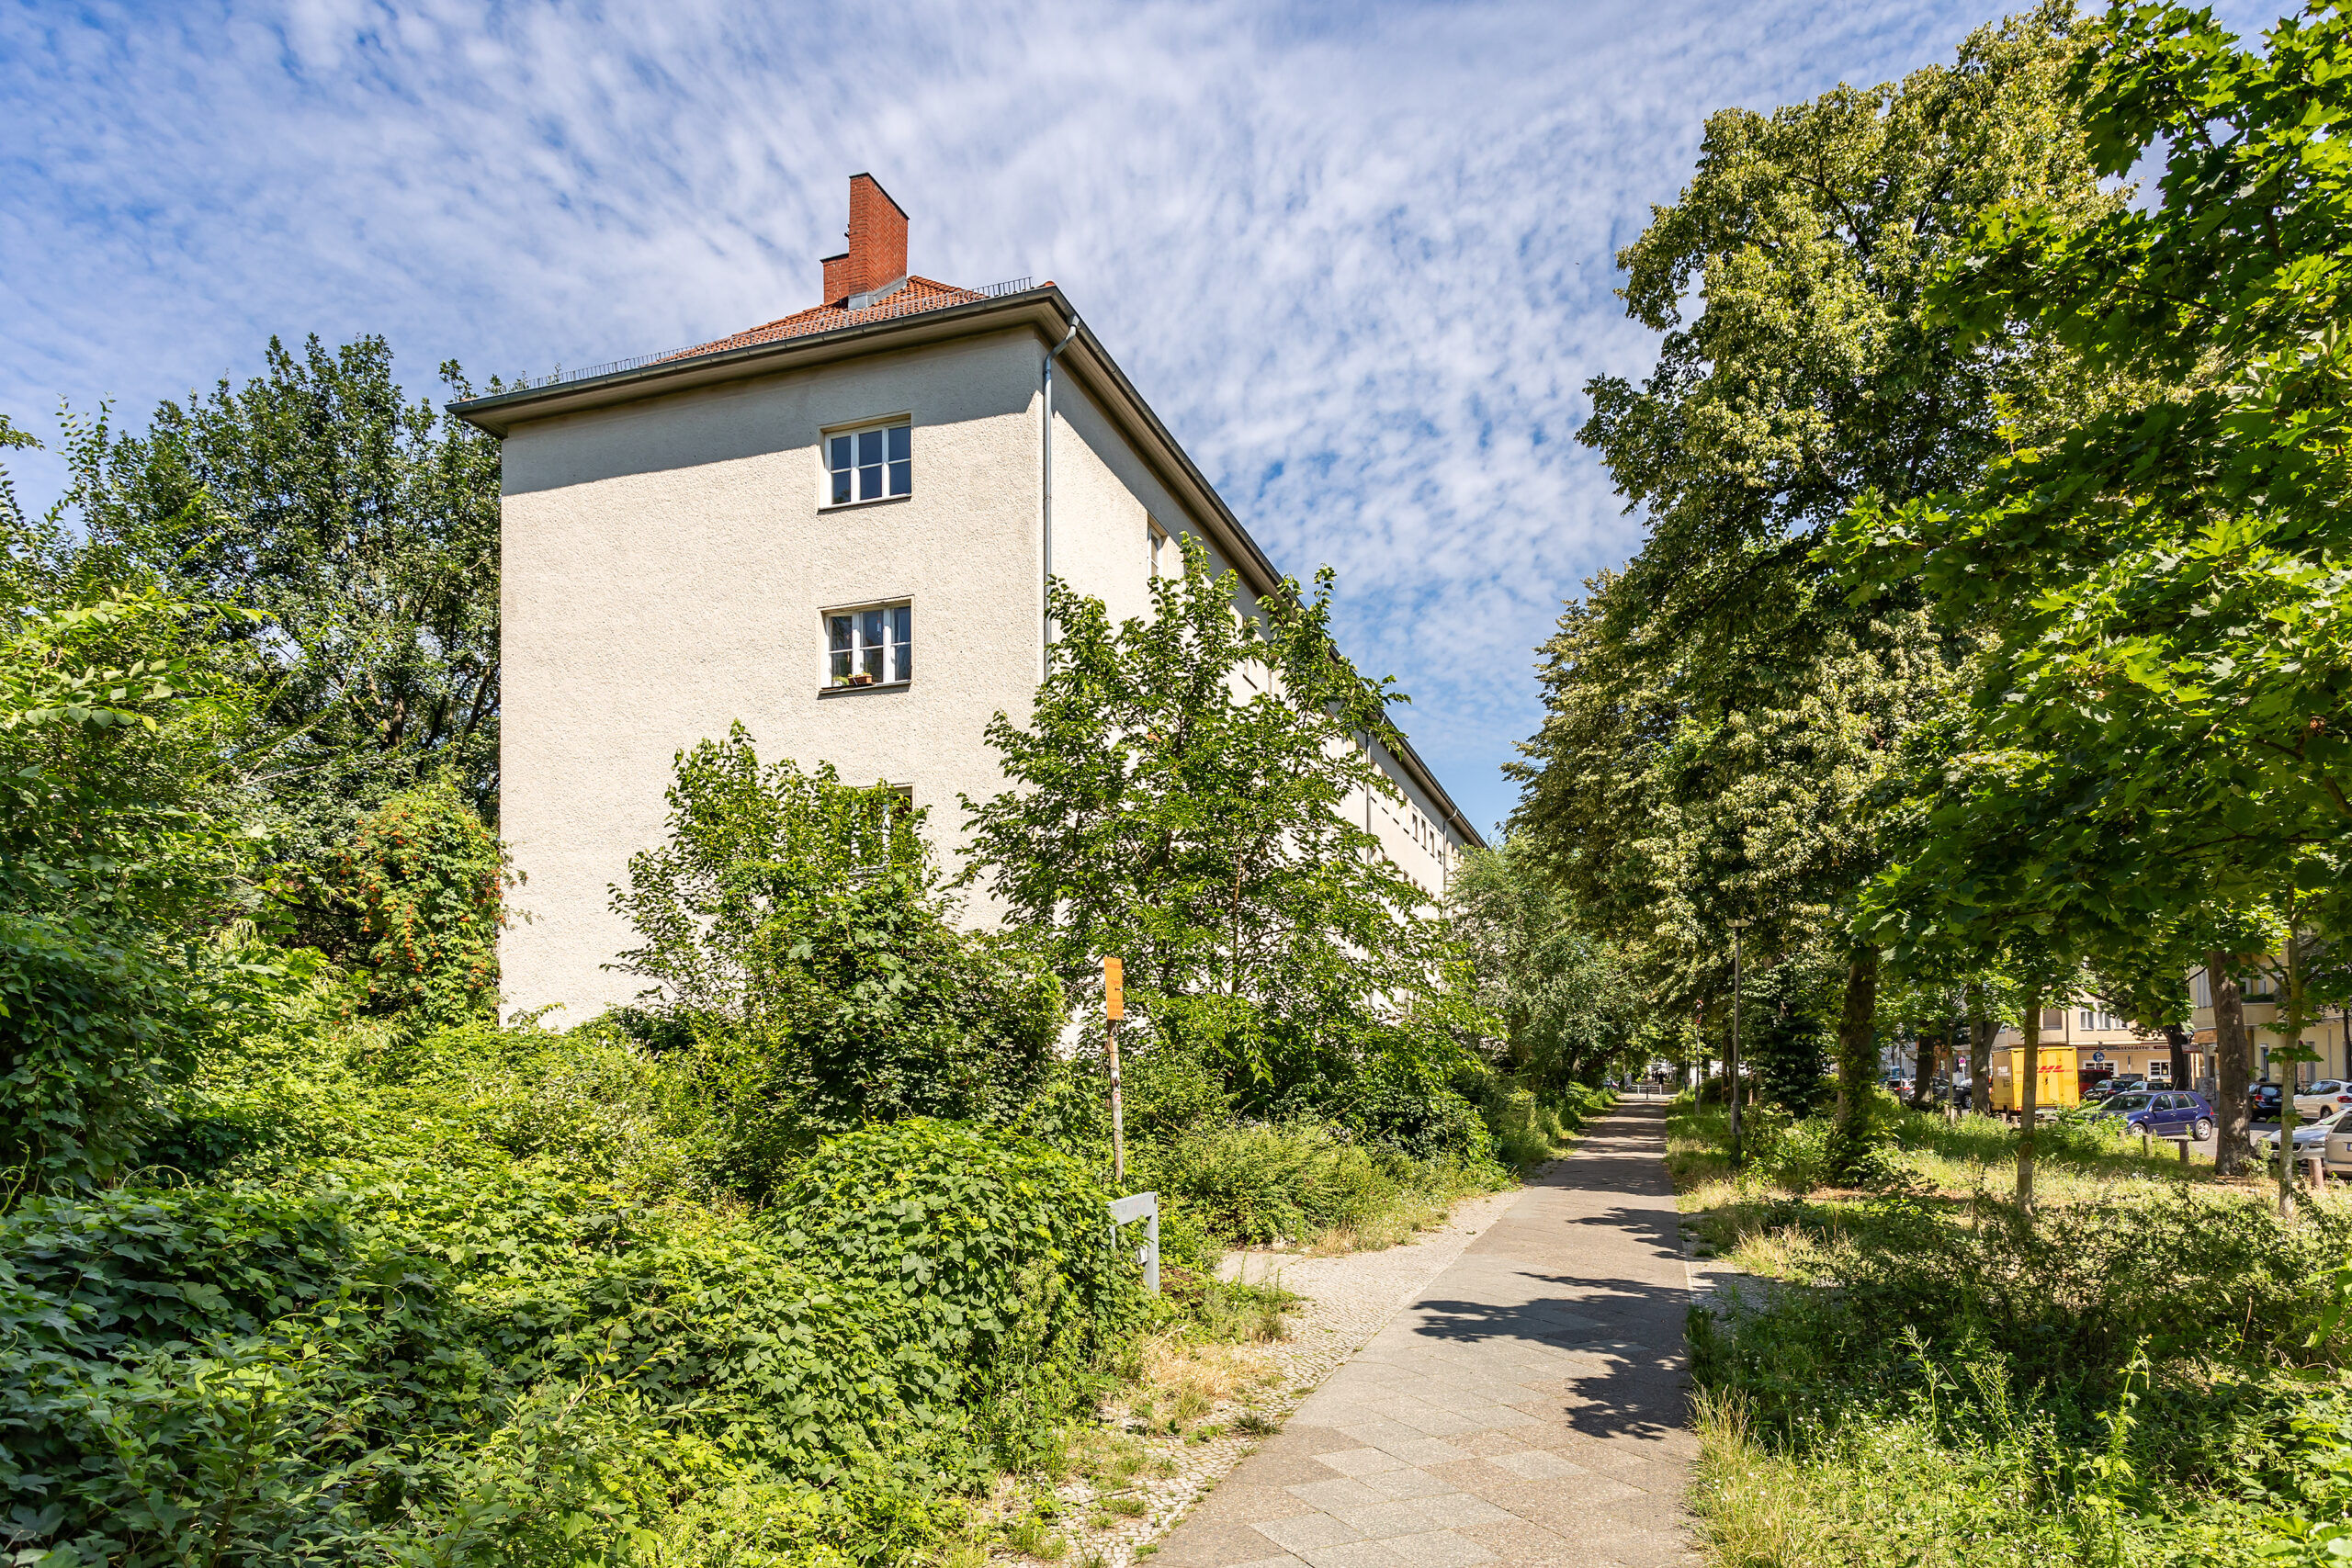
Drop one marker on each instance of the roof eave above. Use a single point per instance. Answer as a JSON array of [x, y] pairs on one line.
[[1048, 312], [500, 413]]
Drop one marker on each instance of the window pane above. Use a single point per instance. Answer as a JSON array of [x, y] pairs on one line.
[[869, 483], [841, 453], [873, 660], [902, 634], [869, 445], [840, 487], [902, 478], [870, 634], [841, 665], [838, 631], [902, 444]]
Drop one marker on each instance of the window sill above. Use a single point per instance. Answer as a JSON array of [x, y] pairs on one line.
[[861, 505], [877, 686]]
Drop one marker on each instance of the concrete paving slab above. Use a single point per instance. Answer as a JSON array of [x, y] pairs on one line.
[[1528, 1408]]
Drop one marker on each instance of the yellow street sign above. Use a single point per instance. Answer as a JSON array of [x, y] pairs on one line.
[[1115, 1003]]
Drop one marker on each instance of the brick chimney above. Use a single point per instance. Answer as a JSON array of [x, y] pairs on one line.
[[876, 256]]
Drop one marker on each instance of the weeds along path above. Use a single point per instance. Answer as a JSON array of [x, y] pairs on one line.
[[1527, 1406]]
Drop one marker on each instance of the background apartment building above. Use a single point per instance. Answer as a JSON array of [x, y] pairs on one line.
[[2329, 1033], [2105, 1045], [836, 527]]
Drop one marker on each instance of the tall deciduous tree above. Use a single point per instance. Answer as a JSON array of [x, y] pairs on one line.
[[2170, 577], [1812, 374], [364, 527], [1188, 794], [1567, 1002]]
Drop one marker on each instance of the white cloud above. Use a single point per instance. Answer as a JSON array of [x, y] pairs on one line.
[[1360, 260]]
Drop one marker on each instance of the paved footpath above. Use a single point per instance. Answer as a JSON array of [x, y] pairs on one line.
[[1527, 1407]]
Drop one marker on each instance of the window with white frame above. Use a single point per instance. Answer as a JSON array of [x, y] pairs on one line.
[[872, 464], [1160, 549], [870, 645]]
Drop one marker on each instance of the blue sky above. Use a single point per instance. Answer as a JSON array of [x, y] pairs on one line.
[[1357, 256]]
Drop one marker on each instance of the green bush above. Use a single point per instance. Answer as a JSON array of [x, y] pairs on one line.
[[1255, 1184], [455, 1347], [94, 1035], [414, 903], [972, 1229], [1528, 1128]]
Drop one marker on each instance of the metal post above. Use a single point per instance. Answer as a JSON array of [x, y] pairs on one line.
[[1152, 1239], [1731, 1067], [1118, 1129], [1115, 1008]]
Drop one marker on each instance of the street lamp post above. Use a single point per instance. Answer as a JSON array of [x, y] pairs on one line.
[[1731, 1067]]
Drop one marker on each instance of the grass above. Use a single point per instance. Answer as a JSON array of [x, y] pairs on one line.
[[2150, 1370]]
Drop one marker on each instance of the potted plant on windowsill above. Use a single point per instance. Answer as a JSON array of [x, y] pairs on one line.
[[861, 679]]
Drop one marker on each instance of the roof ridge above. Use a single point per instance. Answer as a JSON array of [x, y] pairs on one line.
[[915, 293]]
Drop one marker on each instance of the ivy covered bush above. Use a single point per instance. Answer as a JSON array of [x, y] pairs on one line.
[[471, 1349]]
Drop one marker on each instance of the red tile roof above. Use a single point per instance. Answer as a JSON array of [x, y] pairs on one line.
[[916, 294]]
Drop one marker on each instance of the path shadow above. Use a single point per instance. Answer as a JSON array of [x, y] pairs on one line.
[[1635, 1330]]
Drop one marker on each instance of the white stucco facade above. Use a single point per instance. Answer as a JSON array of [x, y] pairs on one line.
[[667, 555]]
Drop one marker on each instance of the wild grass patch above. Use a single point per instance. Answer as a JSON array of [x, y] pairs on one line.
[[2147, 1371]]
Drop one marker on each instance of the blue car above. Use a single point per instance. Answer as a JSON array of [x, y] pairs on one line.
[[2166, 1112]]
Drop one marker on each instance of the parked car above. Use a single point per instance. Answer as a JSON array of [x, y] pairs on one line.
[[2262, 1102], [2166, 1113], [2323, 1097], [2310, 1139]]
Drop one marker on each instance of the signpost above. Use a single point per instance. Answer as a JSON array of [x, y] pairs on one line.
[[1115, 1008], [1731, 1067]]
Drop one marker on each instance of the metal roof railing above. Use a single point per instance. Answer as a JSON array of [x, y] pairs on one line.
[[885, 310]]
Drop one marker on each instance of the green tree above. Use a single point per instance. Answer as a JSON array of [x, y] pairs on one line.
[[1812, 372], [366, 528], [1186, 795], [1566, 1004], [2166, 578], [804, 961], [124, 849]]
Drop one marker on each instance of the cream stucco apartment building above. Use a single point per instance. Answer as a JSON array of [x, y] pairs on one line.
[[835, 527]]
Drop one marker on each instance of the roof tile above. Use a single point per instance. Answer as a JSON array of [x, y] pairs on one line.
[[916, 295]]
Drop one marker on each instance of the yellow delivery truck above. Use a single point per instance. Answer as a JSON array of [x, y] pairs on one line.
[[2057, 1085]]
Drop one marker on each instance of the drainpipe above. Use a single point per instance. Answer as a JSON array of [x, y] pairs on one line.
[[1045, 645]]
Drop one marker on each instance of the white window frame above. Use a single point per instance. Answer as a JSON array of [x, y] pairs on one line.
[[1156, 540], [894, 665], [891, 482]]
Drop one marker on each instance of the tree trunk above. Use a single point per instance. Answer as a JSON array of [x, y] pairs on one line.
[[1857, 1046], [2028, 1085], [2289, 1118], [2177, 1038], [2232, 1058], [1923, 1072], [1981, 1030]]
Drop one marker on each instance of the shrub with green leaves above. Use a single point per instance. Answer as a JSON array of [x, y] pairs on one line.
[[414, 901], [971, 1228], [808, 974], [459, 1347], [1257, 1183]]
